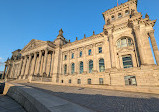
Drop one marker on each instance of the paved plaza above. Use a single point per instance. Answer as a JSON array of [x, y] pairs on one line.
[[9, 105], [103, 100]]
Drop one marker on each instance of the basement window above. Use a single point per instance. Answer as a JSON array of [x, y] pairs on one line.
[[130, 80]]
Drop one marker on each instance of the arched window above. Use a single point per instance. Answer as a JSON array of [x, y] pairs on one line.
[[126, 12], [65, 69], [81, 67], [89, 81], [101, 65], [90, 66], [124, 42], [72, 68], [113, 17], [119, 15]]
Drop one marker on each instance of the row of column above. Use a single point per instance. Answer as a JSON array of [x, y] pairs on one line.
[[28, 64]]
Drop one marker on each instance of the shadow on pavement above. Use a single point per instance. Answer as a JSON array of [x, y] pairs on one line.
[[103, 103]]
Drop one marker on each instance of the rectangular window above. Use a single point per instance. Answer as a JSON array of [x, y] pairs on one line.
[[79, 81], [89, 52], [100, 49], [89, 81], [80, 54], [72, 55], [100, 80], [65, 57], [130, 80], [127, 61], [70, 81]]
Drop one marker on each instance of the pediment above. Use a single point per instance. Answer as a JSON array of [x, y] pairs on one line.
[[33, 44]]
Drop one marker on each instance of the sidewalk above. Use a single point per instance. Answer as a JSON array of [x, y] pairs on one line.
[[9, 105]]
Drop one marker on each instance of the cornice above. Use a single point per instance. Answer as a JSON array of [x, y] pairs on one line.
[[101, 35], [124, 5]]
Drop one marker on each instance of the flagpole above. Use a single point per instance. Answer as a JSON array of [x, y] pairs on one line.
[[117, 3]]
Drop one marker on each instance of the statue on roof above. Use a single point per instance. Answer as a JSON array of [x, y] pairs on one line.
[[60, 32], [147, 16]]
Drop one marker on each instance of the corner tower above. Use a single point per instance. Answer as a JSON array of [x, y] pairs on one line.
[[128, 34]]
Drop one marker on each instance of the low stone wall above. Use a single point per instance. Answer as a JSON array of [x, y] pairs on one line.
[[37, 101]]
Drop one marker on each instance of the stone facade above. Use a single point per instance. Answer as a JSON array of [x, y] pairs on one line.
[[120, 55]]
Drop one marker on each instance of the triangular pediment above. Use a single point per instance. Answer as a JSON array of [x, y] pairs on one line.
[[33, 44]]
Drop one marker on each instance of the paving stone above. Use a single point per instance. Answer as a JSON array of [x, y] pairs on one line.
[[9, 105], [103, 100]]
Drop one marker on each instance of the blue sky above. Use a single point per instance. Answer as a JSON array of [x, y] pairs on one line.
[[23, 20]]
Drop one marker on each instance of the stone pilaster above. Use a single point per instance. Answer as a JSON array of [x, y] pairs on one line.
[[76, 61], [154, 46], [139, 44], [95, 63], [111, 47]]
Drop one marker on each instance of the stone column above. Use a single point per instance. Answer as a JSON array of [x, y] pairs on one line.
[[45, 61], [3, 75], [154, 46], [24, 66], [34, 63], [29, 64], [139, 44], [8, 67], [52, 64], [39, 63], [21, 64]]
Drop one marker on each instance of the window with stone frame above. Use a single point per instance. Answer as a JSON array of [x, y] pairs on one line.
[[113, 17], [101, 65], [124, 42], [72, 55], [65, 69], [99, 49], [90, 52], [72, 68], [119, 15], [79, 81], [80, 54], [101, 81], [90, 66], [81, 67], [61, 81], [69, 81], [89, 81], [127, 61], [65, 57], [130, 80], [126, 12]]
